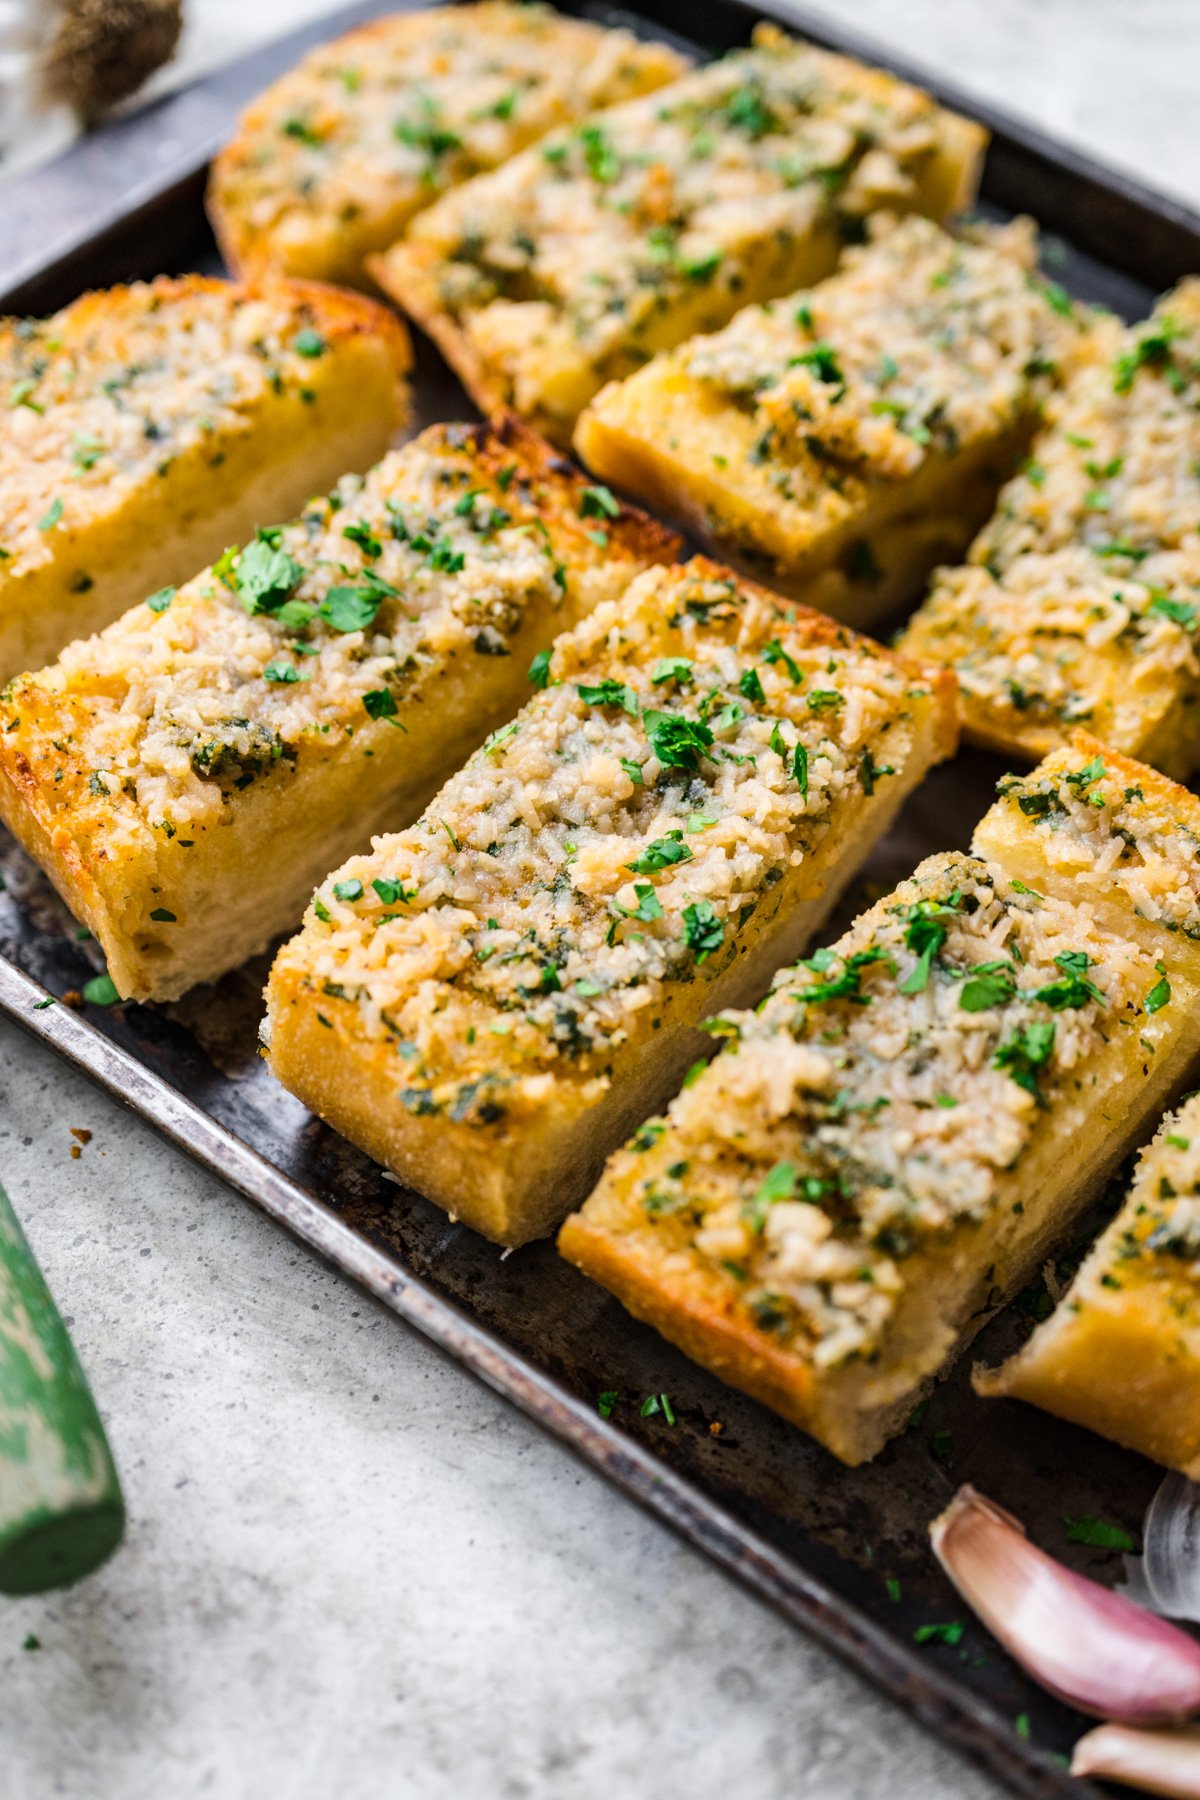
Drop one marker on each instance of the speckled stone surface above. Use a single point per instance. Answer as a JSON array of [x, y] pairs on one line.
[[351, 1572]]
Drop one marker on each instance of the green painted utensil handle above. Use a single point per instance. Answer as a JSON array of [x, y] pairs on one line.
[[61, 1511]]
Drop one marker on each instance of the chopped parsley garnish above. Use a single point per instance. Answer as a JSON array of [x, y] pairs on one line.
[[778, 1184], [822, 360], [600, 158], [308, 343], [1087, 776], [747, 110], [750, 685], [101, 990], [426, 135], [52, 516], [1074, 990], [392, 893], [671, 668], [824, 700], [800, 768], [774, 652], [362, 535], [264, 575], [847, 985], [605, 1403], [608, 693], [989, 984], [661, 854], [658, 1403], [649, 907], [1088, 1530], [350, 608], [159, 602], [951, 1633], [539, 669], [633, 770], [496, 739], [1151, 350], [380, 703], [1057, 297], [285, 672], [704, 931], [870, 772], [677, 742], [1025, 1053], [1178, 611], [599, 503], [1121, 547], [927, 925], [1160, 994]]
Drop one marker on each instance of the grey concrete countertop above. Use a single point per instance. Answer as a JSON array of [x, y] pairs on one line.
[[351, 1571]]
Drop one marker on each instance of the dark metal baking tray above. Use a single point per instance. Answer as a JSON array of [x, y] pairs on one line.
[[819, 1542]]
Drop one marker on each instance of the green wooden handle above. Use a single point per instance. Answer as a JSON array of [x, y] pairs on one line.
[[61, 1511]]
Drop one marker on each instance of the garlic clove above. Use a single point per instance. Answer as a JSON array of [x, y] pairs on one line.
[[1087, 1645], [1157, 1762]]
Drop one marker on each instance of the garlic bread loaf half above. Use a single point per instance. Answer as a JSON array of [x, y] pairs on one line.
[[489, 1001], [1120, 1353], [843, 441], [894, 1142], [147, 427], [187, 776], [1079, 603], [582, 257], [331, 162]]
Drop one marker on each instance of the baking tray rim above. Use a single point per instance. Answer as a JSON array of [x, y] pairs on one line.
[[951, 1710]]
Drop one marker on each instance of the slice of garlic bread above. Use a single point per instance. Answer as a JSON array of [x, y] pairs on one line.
[[579, 259], [896, 1140], [1080, 601], [491, 1000], [1090, 825], [331, 162], [144, 428], [1121, 1351], [188, 775], [843, 441]]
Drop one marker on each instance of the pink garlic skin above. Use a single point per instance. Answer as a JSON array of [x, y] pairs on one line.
[[1156, 1762], [1085, 1644]]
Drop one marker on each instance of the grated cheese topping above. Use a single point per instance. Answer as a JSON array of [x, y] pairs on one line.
[[102, 396], [1081, 598], [1155, 1238], [882, 1098], [391, 115], [920, 344], [313, 635], [1085, 815], [648, 221], [691, 744]]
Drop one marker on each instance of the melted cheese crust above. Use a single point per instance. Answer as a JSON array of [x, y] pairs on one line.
[[1121, 1353], [322, 642], [700, 761], [810, 423], [577, 260], [103, 397], [331, 161], [1080, 601], [880, 1149], [140, 426]]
